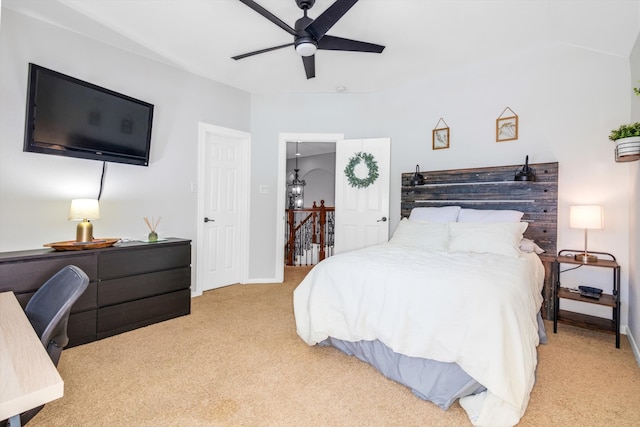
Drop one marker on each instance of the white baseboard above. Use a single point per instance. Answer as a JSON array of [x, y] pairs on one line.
[[634, 344], [247, 282], [262, 281]]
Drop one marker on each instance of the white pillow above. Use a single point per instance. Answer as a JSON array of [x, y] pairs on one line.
[[501, 238], [528, 245], [442, 214], [489, 215], [429, 236]]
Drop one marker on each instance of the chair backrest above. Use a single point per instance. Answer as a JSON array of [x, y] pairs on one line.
[[48, 309]]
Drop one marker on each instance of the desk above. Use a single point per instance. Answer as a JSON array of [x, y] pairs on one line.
[[28, 377]]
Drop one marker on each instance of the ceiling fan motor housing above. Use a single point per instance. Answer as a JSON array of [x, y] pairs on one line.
[[301, 24], [304, 42], [305, 4]]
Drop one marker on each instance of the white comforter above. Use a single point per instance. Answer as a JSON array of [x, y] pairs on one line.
[[477, 310]]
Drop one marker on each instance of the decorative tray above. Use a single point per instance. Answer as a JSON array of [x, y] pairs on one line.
[[72, 245]]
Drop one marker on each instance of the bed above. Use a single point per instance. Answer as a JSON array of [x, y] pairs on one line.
[[450, 306]]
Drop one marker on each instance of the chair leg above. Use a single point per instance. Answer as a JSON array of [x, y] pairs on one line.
[[26, 416]]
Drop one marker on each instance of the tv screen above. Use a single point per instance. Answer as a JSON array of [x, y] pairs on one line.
[[71, 117]]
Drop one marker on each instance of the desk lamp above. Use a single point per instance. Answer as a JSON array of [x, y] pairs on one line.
[[587, 217], [83, 210]]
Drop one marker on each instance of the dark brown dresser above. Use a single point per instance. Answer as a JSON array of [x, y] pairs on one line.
[[131, 285]]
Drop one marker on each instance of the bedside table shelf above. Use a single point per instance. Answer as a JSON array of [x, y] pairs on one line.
[[587, 322], [608, 300], [605, 299]]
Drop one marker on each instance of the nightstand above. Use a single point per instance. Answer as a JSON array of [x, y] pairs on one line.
[[612, 300]]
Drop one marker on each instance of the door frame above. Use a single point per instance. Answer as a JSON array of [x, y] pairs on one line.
[[281, 218], [243, 138]]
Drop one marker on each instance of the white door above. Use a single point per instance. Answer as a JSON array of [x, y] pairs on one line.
[[223, 209], [362, 213]]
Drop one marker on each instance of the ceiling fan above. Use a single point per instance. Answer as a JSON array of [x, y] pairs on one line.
[[309, 34]]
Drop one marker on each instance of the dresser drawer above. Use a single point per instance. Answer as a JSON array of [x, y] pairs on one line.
[[148, 259], [87, 301], [28, 276], [131, 288], [123, 317], [81, 328]]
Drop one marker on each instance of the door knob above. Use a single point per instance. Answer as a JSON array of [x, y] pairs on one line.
[[207, 219], [383, 219]]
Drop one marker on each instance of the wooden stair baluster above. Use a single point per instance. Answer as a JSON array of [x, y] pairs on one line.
[[292, 237], [315, 214], [323, 220]]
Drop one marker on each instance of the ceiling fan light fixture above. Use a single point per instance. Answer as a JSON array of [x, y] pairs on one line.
[[306, 47], [307, 33]]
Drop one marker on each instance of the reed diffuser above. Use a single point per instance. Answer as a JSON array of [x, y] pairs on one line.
[[153, 225]]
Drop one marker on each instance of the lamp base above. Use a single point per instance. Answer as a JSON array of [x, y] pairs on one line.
[[84, 231], [585, 257]]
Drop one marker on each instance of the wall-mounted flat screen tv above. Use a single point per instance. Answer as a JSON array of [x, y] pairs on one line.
[[70, 117]]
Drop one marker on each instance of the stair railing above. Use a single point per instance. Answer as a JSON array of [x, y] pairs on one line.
[[308, 230]]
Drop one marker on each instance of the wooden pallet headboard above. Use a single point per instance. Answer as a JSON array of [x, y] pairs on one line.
[[493, 188]]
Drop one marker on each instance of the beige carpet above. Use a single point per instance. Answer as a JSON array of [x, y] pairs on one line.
[[237, 361]]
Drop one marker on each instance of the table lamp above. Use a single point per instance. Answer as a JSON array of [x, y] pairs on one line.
[[587, 217], [83, 210]]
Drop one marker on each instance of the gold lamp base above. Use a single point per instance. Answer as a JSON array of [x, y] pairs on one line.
[[585, 257], [84, 231]]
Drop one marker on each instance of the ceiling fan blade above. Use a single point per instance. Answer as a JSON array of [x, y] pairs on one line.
[[309, 66], [270, 16], [338, 43], [327, 19], [256, 52]]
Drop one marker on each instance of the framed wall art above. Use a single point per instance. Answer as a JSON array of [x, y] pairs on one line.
[[507, 126], [440, 135]]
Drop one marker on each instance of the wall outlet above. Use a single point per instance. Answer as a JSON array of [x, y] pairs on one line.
[[264, 189]]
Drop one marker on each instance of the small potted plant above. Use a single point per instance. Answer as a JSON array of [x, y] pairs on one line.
[[627, 139]]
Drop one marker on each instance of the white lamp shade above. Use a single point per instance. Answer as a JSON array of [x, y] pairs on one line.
[[587, 217], [84, 209]]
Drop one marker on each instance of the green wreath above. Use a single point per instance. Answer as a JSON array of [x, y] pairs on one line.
[[371, 164]]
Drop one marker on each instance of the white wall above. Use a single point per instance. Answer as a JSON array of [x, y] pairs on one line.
[[319, 172], [634, 216], [567, 99], [36, 189]]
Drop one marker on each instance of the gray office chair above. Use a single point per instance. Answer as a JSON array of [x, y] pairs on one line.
[[48, 311]]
